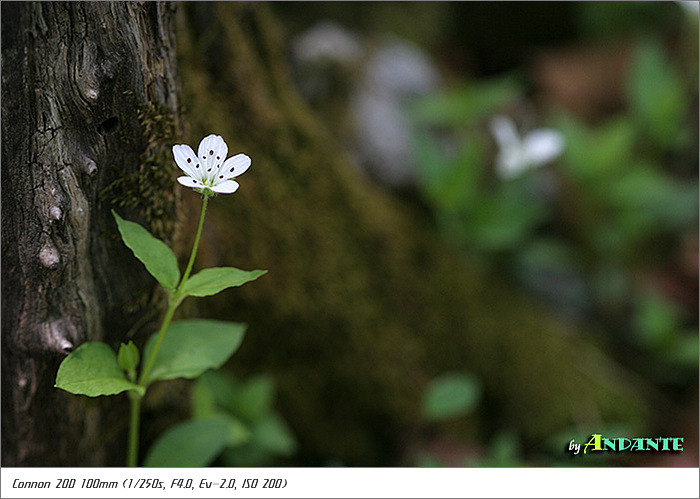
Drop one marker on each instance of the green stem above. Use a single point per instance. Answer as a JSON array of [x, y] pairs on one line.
[[174, 300], [161, 334], [132, 457], [194, 248], [173, 303]]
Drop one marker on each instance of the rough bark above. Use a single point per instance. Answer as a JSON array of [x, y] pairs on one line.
[[89, 107], [362, 303]]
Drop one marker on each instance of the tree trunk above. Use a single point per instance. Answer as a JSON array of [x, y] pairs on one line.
[[89, 110]]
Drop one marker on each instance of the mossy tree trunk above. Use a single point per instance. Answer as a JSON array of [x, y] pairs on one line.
[[89, 109], [362, 303]]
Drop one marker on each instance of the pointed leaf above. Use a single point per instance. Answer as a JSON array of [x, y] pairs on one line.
[[657, 97], [211, 281], [253, 398], [194, 443], [250, 400], [128, 356], [238, 432], [205, 395], [153, 253], [191, 347], [92, 370], [273, 434]]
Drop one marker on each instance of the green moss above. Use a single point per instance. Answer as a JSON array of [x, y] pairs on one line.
[[149, 189]]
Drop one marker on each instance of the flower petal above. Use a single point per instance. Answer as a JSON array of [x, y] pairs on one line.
[[190, 182], [186, 159], [543, 145], [212, 153], [510, 163], [504, 131], [235, 166], [225, 187]]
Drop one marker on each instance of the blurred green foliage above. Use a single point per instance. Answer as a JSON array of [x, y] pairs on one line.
[[196, 442], [504, 450], [451, 395], [579, 232], [467, 104], [233, 421], [610, 19], [250, 402], [452, 151], [657, 97]]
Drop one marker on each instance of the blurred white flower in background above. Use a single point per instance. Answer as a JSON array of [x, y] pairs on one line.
[[396, 72], [373, 81], [327, 42], [518, 154]]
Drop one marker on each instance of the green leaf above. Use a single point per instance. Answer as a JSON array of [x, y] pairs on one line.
[[194, 443], [505, 220], [92, 370], [191, 347], [238, 433], [128, 356], [505, 449], [248, 455], [657, 96], [649, 201], [455, 184], [153, 253], [504, 452], [656, 321], [253, 399], [683, 352], [466, 105], [451, 395], [221, 388], [204, 406], [272, 434], [211, 281], [270, 437], [596, 154], [203, 402]]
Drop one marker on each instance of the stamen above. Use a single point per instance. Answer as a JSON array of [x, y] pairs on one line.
[[189, 160], [211, 152], [221, 176], [197, 165]]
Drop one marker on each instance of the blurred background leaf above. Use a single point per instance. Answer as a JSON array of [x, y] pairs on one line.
[[657, 97], [451, 395]]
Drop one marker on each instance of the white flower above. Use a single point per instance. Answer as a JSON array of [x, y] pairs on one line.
[[517, 155], [209, 168]]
